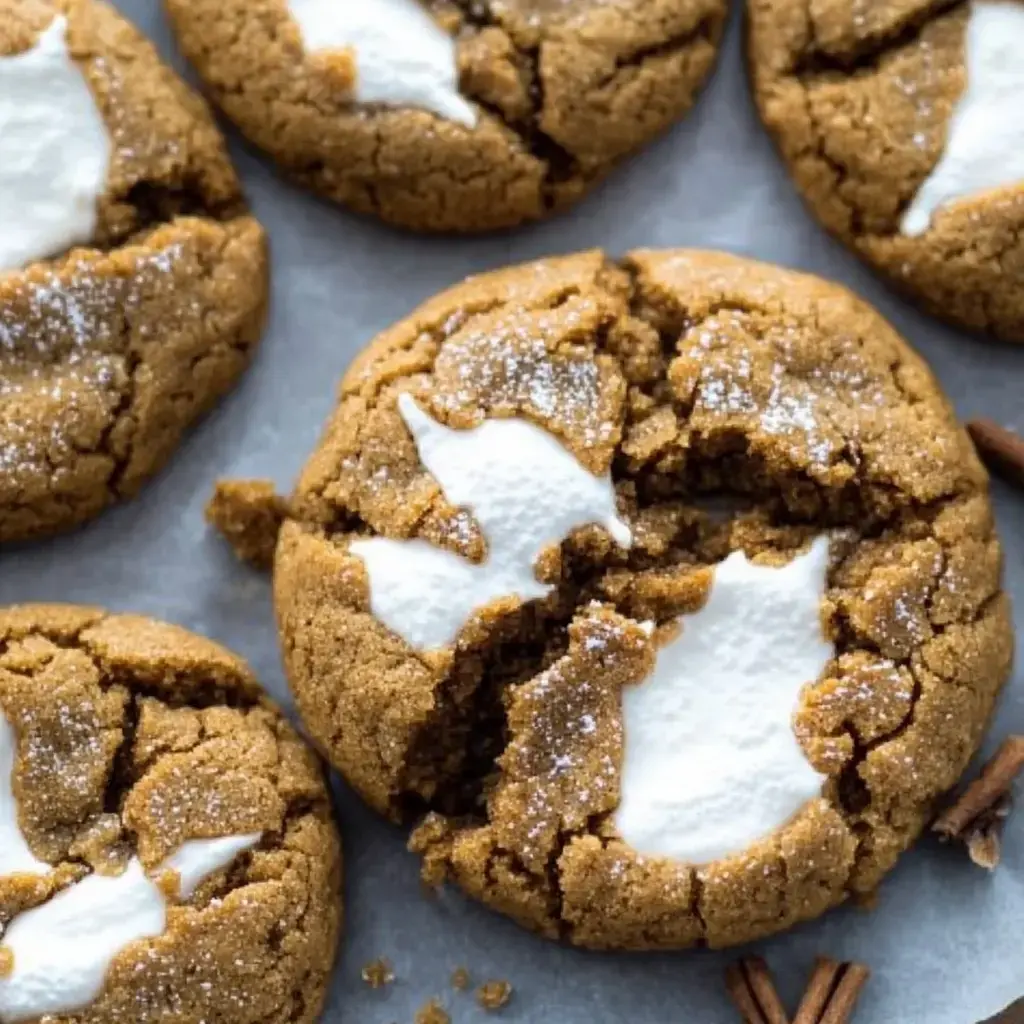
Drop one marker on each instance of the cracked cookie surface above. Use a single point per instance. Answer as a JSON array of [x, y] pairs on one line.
[[898, 124], [109, 351], [133, 738], [542, 97], [735, 407]]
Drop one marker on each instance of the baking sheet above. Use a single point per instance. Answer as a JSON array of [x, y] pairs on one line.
[[945, 940]]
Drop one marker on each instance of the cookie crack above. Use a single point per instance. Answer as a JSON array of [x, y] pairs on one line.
[[696, 908], [705, 29], [119, 781], [855, 797], [867, 54], [560, 163], [158, 203]]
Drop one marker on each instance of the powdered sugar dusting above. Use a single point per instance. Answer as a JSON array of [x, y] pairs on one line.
[[874, 698], [562, 765], [61, 350], [15, 855], [508, 368], [137, 147], [796, 407], [68, 752]]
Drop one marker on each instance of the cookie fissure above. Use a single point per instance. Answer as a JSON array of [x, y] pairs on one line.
[[119, 415], [821, 60], [120, 780], [453, 763], [161, 202], [706, 29], [560, 166]]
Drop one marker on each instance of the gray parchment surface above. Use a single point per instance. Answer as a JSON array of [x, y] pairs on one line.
[[946, 941]]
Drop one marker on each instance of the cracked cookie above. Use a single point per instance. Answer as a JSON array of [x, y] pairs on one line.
[[133, 284], [456, 115], [662, 596], [899, 122], [167, 850]]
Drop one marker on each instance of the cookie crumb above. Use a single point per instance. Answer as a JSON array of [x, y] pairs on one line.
[[493, 995], [433, 1013], [248, 514], [6, 963], [460, 979], [378, 973]]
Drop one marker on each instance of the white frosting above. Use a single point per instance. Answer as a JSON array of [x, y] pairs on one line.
[[985, 148], [15, 856], [63, 948], [54, 152], [403, 57], [526, 492], [711, 762]]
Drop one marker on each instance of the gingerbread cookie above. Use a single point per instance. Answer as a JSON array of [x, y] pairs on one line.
[[664, 596], [900, 124], [453, 115], [133, 284], [167, 850]]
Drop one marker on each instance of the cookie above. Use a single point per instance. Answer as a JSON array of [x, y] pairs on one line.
[[133, 284], [663, 597], [167, 850], [899, 122], [452, 116]]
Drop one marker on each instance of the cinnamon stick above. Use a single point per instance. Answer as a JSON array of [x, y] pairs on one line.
[[1000, 449], [986, 792], [832, 992], [976, 818], [847, 992], [819, 989], [750, 985]]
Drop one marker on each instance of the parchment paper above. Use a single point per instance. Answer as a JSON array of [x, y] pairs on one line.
[[946, 941]]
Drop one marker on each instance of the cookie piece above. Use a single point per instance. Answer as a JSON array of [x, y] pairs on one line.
[[664, 596], [454, 115], [133, 285], [167, 850], [899, 123], [248, 514]]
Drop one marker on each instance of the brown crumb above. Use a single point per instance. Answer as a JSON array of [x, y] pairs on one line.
[[460, 979], [249, 514], [378, 973], [493, 995], [984, 846], [6, 963], [433, 1013]]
